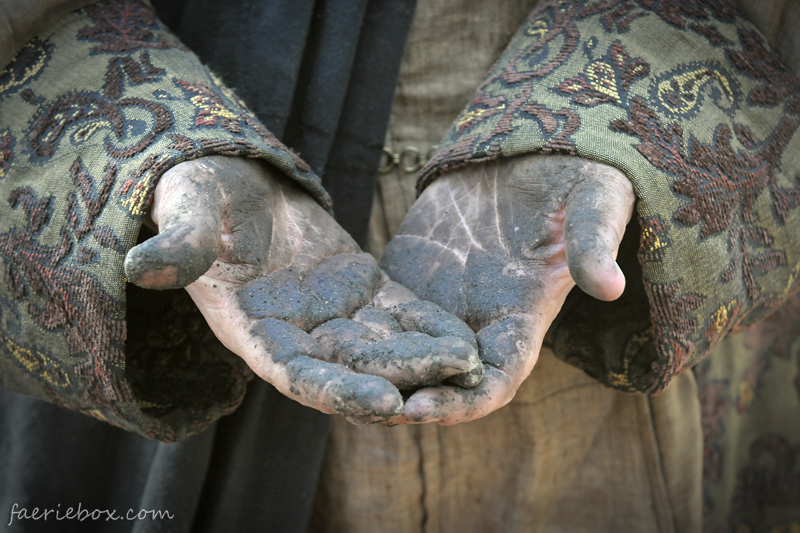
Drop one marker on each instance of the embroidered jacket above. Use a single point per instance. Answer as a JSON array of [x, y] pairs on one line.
[[92, 112], [690, 102], [96, 108]]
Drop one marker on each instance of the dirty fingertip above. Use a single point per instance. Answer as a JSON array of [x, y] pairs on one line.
[[421, 409], [150, 266], [358, 396], [457, 357]]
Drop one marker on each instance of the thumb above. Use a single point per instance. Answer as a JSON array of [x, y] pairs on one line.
[[597, 211], [187, 210]]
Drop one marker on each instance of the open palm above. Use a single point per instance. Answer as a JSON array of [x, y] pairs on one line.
[[500, 246]]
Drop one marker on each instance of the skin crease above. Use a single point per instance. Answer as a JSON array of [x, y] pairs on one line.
[[500, 245], [273, 274]]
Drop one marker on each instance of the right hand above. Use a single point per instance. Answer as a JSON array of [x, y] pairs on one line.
[[500, 245]]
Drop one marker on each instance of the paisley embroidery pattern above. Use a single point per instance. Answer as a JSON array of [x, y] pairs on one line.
[[78, 165]]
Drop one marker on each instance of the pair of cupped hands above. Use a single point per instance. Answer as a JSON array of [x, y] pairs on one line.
[[449, 325]]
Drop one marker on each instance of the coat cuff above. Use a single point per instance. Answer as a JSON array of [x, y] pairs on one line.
[[92, 112], [692, 104]]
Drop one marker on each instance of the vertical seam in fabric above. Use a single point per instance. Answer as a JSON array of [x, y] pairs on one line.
[[423, 492], [658, 485]]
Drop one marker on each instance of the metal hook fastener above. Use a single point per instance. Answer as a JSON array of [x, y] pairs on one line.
[[410, 159]]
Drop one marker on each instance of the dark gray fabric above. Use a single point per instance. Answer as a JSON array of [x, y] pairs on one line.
[[321, 76], [266, 462], [52, 458]]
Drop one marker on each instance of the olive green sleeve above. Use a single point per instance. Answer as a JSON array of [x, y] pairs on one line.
[[92, 112], [690, 102]]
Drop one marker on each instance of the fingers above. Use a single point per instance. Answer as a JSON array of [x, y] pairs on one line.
[[467, 380], [447, 405], [378, 320], [290, 359], [335, 288], [597, 210], [509, 348], [427, 317], [434, 346], [189, 219], [409, 360]]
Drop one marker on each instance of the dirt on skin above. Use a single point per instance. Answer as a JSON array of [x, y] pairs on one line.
[[270, 257], [413, 344], [500, 245]]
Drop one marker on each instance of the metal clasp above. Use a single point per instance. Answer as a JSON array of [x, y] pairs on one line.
[[409, 159]]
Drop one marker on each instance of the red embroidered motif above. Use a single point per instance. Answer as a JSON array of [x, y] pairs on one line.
[[75, 302], [132, 70], [212, 110], [672, 327], [654, 240], [679, 13], [562, 24], [6, 145], [757, 61], [620, 14]]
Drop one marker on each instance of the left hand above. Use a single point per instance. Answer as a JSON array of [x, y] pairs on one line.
[[500, 245]]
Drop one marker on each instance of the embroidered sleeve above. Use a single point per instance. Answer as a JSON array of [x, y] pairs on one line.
[[92, 112], [689, 101]]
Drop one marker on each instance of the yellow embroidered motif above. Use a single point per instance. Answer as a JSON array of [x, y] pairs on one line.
[[792, 278], [98, 414], [476, 114], [35, 54], [689, 85], [619, 380], [538, 28], [632, 346], [210, 110], [602, 78], [650, 241], [85, 132], [37, 363], [137, 202], [723, 316]]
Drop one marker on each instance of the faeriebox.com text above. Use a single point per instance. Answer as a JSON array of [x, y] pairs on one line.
[[18, 514]]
